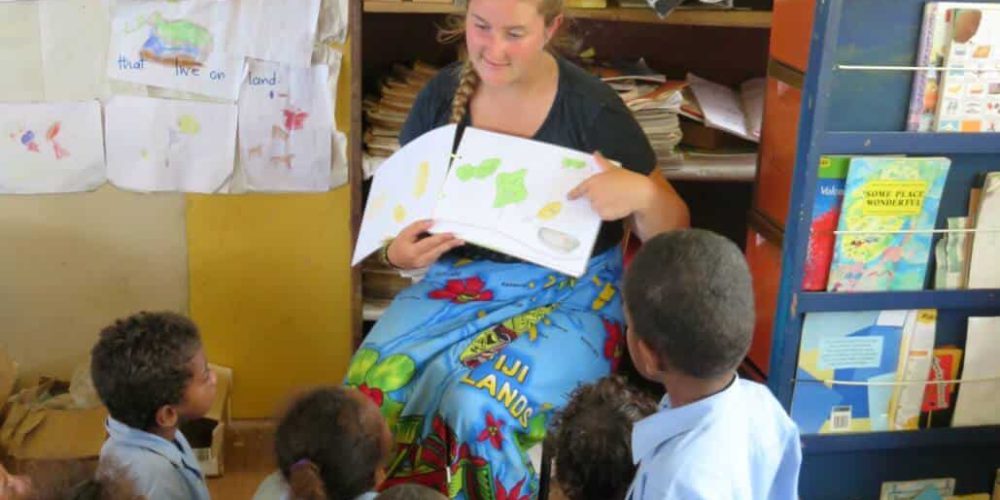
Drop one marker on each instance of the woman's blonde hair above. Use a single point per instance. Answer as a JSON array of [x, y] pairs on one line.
[[454, 30]]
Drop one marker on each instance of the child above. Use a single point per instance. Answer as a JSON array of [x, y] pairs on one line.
[[411, 492], [330, 445], [150, 371], [689, 307], [592, 440], [66, 480]]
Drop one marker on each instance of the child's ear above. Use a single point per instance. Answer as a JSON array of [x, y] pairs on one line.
[[647, 361], [167, 417]]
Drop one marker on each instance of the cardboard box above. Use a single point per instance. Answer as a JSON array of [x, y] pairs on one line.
[[39, 426], [207, 434]]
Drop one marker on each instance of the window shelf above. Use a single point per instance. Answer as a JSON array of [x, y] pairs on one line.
[[686, 17]]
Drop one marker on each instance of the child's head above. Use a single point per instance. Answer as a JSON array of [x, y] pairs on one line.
[[689, 306], [331, 444], [68, 480], [411, 492], [593, 439], [150, 371]]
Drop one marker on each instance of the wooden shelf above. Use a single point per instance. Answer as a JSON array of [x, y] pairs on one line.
[[685, 17]]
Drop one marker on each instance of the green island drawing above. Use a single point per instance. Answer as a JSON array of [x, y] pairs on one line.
[[485, 169], [573, 163], [510, 188]]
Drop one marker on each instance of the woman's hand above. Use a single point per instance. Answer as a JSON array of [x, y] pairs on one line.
[[615, 193], [413, 249]]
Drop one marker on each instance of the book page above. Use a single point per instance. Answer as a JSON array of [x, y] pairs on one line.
[[516, 189], [53, 147], [169, 145], [721, 107], [176, 45], [404, 189]]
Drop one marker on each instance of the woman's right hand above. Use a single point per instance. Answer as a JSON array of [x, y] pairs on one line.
[[413, 249]]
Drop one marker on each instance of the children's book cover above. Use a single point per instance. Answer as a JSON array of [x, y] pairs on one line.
[[936, 409], [826, 211], [853, 347], [890, 205], [970, 87]]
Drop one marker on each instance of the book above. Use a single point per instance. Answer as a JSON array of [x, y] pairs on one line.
[[935, 411], [983, 269], [737, 112], [889, 205], [501, 192], [970, 87], [908, 490], [831, 176], [977, 402], [917, 352], [931, 54], [854, 347]]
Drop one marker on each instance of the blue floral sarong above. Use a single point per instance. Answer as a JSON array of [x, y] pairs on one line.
[[468, 366]]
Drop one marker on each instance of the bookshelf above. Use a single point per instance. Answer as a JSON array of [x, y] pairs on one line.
[[689, 17], [861, 112]]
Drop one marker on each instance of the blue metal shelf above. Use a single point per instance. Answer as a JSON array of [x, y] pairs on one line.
[[910, 143], [874, 301], [815, 444]]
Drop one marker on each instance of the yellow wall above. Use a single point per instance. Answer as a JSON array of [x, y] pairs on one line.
[[72, 263], [270, 285]]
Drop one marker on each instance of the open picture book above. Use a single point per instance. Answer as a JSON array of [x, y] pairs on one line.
[[497, 191]]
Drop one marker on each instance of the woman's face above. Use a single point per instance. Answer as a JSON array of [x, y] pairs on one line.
[[505, 38]]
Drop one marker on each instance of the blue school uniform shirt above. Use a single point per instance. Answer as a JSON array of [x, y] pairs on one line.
[[737, 444], [274, 488], [158, 468]]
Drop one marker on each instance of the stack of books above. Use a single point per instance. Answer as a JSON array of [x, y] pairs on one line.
[[385, 115]]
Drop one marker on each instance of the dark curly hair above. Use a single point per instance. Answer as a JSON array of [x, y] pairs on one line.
[[329, 446], [689, 297], [593, 439], [139, 364]]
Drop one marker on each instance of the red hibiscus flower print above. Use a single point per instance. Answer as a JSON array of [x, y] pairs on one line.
[[492, 432], [374, 393], [513, 494], [463, 291], [613, 343]]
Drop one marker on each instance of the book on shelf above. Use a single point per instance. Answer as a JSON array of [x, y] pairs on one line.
[[890, 206], [910, 490], [738, 112], [859, 348], [916, 355], [977, 402], [984, 272], [969, 88], [936, 409], [831, 177]]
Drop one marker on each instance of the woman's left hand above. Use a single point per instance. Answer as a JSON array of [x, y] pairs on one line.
[[614, 193]]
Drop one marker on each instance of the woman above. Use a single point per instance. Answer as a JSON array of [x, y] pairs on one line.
[[468, 365]]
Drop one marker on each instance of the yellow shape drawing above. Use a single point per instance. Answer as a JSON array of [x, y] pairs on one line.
[[399, 214], [550, 210], [188, 124], [420, 185]]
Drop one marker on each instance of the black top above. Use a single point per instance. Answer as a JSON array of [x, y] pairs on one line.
[[587, 115]]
